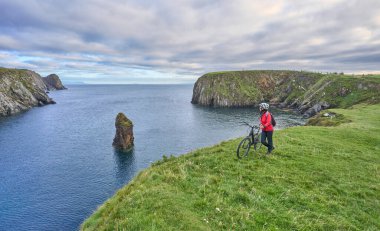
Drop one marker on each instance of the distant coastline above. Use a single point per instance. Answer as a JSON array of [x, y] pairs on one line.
[[307, 92], [22, 89]]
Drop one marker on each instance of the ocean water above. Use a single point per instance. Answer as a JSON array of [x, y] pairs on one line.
[[57, 163]]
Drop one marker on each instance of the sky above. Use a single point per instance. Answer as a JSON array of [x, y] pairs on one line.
[[162, 41]]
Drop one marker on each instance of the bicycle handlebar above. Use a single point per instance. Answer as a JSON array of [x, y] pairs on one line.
[[251, 126]]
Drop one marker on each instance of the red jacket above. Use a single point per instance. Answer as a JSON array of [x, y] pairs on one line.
[[265, 120]]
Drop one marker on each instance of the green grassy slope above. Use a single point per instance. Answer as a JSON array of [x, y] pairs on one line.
[[319, 178]]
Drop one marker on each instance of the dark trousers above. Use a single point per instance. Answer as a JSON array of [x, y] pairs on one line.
[[267, 136]]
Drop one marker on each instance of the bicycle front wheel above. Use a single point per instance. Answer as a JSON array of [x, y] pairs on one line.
[[243, 148]]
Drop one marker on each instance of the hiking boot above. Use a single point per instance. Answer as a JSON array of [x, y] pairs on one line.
[[270, 151]]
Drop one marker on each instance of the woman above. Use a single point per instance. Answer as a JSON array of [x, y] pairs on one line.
[[266, 127]]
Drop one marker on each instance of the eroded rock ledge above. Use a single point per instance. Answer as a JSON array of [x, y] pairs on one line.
[[306, 92]]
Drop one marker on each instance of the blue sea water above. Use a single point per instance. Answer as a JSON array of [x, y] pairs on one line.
[[57, 163]]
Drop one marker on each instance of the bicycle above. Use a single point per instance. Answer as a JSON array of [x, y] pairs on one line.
[[252, 139]]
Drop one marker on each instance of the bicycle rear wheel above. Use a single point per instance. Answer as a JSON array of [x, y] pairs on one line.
[[243, 148], [257, 142]]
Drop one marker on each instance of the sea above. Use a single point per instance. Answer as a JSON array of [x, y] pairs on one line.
[[57, 163]]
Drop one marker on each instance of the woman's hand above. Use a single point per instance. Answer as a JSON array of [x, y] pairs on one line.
[[261, 126]]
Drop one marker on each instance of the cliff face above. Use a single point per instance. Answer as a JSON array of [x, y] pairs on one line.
[[21, 90], [307, 92], [53, 82]]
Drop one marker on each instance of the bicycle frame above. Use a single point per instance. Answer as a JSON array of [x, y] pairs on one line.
[[251, 140], [251, 133]]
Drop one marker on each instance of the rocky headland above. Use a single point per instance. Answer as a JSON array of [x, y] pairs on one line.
[[306, 92], [20, 90], [124, 133], [53, 82]]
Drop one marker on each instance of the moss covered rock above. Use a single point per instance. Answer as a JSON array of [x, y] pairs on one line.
[[124, 133], [327, 119]]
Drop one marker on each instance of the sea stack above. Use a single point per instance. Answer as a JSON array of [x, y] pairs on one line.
[[124, 133], [53, 82]]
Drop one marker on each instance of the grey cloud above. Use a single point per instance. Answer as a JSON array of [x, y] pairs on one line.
[[363, 58], [190, 37]]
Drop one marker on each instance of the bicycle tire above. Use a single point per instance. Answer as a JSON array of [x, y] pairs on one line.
[[243, 148], [257, 143]]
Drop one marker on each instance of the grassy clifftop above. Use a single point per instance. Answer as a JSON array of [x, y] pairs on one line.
[[319, 178], [308, 92]]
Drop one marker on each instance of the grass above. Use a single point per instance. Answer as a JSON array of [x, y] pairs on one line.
[[319, 178]]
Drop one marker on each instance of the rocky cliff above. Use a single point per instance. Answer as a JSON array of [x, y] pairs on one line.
[[53, 82], [21, 90], [305, 91], [124, 133]]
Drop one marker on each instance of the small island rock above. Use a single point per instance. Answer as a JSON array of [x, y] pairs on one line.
[[53, 82], [124, 132]]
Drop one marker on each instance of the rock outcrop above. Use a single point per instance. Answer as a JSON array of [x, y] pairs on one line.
[[124, 133], [20, 90], [307, 92], [53, 82], [327, 119]]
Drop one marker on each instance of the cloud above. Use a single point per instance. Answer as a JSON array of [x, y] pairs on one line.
[[183, 39]]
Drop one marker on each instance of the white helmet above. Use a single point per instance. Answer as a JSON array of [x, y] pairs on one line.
[[264, 106]]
